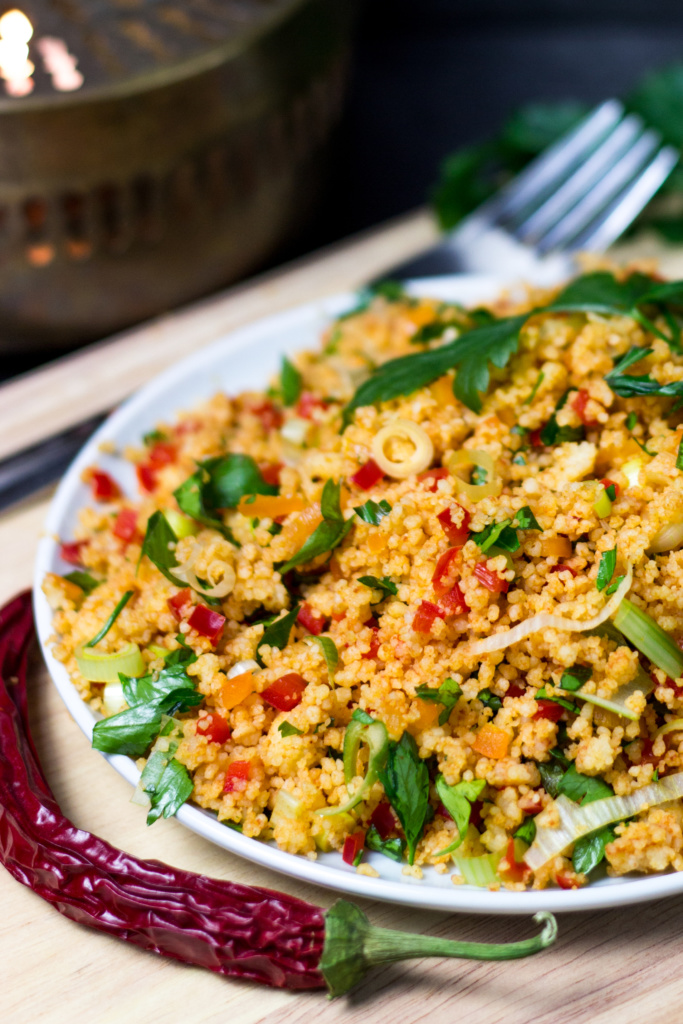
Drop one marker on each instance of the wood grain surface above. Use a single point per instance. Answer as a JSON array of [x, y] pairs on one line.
[[621, 966]]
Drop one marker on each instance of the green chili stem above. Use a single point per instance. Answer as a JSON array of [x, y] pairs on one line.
[[111, 620], [353, 946]]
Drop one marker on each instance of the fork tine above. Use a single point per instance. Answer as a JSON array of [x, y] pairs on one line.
[[614, 221], [563, 234], [581, 181], [542, 174]]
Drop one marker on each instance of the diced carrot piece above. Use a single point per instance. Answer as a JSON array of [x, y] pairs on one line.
[[295, 533], [236, 690], [377, 542], [492, 742], [269, 506], [429, 712]]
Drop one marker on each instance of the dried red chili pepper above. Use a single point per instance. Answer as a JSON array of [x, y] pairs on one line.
[[234, 930]]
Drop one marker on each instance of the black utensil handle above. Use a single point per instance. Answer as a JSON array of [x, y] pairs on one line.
[[39, 465]]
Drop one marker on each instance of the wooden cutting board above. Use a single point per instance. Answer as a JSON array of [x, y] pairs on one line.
[[623, 965]]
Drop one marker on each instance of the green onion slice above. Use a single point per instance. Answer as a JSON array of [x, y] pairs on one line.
[[650, 639], [97, 667], [361, 729]]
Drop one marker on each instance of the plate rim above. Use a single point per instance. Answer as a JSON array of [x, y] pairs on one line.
[[341, 879]]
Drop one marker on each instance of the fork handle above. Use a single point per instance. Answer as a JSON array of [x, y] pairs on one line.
[[35, 468]]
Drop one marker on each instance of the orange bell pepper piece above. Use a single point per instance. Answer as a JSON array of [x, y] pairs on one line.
[[269, 506], [236, 690], [492, 742]]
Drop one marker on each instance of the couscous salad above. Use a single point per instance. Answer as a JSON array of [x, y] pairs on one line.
[[424, 596]]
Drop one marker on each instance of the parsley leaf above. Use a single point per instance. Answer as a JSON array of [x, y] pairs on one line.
[[290, 382], [447, 694], [526, 831], [613, 587], [386, 585], [458, 802], [329, 534], [84, 580], [499, 534], [608, 563], [168, 784], [574, 678], [490, 700], [159, 546], [392, 848], [679, 465], [287, 729], [551, 777], [589, 851], [130, 732], [526, 520], [543, 694], [583, 789], [470, 354], [631, 421], [220, 483], [406, 783], [373, 512], [276, 634]]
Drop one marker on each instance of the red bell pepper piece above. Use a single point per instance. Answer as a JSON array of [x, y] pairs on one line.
[[383, 819], [307, 404], [70, 551], [207, 623], [147, 477], [535, 438], [445, 573], [270, 416], [562, 568], [367, 476], [181, 604], [214, 727], [424, 617], [125, 525], [566, 881], [457, 530], [579, 404], [454, 603], [236, 777], [162, 453], [515, 690], [611, 483], [646, 755], [430, 478], [353, 847], [310, 619], [491, 580], [548, 709], [511, 869], [286, 692], [104, 487], [270, 471]]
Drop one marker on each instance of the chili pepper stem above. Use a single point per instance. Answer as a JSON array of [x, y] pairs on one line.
[[353, 946]]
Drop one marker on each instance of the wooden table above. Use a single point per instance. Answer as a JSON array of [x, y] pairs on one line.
[[625, 965]]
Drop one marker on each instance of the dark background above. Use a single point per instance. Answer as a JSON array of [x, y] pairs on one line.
[[430, 75]]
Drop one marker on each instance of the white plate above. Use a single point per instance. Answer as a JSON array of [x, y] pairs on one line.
[[242, 360]]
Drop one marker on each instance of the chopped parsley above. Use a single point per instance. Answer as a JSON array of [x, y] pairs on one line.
[[447, 694], [385, 585], [329, 534], [373, 512], [608, 563]]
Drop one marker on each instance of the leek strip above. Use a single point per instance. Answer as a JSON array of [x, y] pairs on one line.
[[481, 871], [617, 703], [577, 821], [650, 639], [482, 460], [111, 620], [499, 641], [97, 667]]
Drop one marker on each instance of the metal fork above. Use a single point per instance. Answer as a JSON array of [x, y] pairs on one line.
[[580, 194]]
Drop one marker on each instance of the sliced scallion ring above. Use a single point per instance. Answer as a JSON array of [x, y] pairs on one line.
[[97, 667], [483, 460], [361, 729]]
